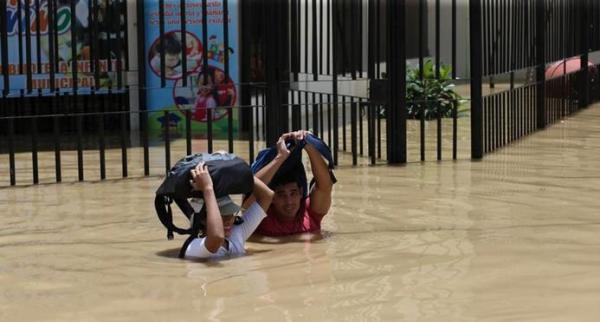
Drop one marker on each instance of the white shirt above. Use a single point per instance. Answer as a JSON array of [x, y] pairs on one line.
[[252, 218]]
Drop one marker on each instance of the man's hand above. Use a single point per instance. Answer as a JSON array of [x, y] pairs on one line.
[[282, 150], [201, 179], [298, 136]]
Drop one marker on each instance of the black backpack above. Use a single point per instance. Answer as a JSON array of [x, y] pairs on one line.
[[229, 173]]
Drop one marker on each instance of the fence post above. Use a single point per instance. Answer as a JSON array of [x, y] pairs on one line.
[[476, 75], [4, 51], [585, 37], [540, 49], [396, 109], [141, 35], [335, 34], [245, 114], [277, 68]]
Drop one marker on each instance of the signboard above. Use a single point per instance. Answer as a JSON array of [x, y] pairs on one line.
[[213, 90], [104, 38]]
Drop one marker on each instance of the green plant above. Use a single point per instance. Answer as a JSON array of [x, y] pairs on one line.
[[430, 95]]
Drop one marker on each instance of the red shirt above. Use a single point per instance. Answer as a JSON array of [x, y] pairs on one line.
[[307, 221]]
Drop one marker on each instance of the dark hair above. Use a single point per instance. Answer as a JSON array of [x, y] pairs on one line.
[[171, 45], [205, 79], [283, 179], [291, 177]]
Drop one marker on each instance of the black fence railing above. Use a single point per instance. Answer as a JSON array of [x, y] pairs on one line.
[[364, 75], [595, 86], [107, 145], [112, 148], [507, 116], [562, 97], [57, 142], [351, 125], [17, 103], [534, 56]]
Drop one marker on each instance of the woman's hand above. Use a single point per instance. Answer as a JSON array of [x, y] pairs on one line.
[[201, 179]]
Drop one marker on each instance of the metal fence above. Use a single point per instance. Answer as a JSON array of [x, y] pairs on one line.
[[110, 143], [345, 69], [533, 58]]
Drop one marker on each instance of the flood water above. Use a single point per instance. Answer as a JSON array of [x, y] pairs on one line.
[[515, 237]]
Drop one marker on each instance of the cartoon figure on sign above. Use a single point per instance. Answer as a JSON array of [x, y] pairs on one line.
[[193, 50], [205, 98], [170, 124], [172, 46], [225, 93], [213, 47], [216, 92]]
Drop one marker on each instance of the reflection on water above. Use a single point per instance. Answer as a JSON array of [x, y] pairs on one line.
[[512, 238]]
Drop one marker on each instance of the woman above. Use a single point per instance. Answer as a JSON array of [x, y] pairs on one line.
[[220, 236]]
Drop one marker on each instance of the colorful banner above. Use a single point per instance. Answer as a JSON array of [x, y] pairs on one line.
[[106, 41], [212, 90]]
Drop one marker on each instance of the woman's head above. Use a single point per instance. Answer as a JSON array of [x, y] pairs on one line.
[[228, 209]]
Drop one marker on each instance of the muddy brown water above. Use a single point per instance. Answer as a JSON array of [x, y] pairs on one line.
[[515, 237]]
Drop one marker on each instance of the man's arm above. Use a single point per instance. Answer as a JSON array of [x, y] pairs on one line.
[[320, 195]]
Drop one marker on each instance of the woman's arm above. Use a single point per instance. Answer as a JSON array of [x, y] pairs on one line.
[[261, 193], [202, 181], [268, 171], [256, 207]]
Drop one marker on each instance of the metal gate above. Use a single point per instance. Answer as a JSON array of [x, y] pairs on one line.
[[379, 80]]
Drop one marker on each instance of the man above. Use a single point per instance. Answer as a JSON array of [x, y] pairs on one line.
[[292, 210]]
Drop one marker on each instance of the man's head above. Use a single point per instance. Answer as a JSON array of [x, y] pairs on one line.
[[287, 200]]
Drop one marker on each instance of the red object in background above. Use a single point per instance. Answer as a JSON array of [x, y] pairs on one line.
[[572, 65], [556, 70]]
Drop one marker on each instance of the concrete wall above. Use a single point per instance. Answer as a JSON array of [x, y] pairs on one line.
[[462, 34]]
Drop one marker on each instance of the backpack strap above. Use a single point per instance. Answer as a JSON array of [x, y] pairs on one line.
[[185, 207], [185, 245], [165, 215]]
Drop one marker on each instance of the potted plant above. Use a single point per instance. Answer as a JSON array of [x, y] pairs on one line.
[[428, 94]]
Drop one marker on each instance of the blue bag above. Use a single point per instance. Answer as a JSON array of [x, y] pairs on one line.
[[293, 164]]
